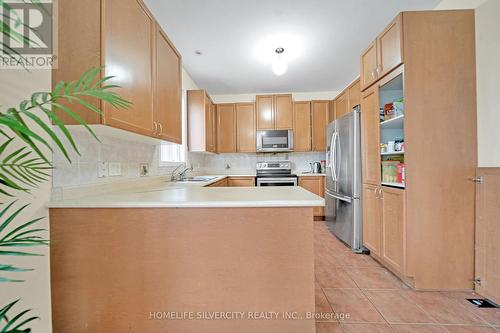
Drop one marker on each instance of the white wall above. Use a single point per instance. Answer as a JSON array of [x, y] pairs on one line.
[[488, 75], [15, 86], [488, 82], [297, 96]]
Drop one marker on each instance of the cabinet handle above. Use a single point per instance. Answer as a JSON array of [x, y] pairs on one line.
[[155, 124], [379, 70], [373, 74], [381, 193], [161, 129]]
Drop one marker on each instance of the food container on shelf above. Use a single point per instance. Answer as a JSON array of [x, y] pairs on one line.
[[393, 172]]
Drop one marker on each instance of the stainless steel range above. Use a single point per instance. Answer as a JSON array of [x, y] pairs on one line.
[[276, 173]]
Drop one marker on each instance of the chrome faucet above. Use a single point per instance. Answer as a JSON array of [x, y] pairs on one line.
[[181, 174]]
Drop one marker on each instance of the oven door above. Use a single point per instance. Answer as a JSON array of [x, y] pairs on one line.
[[281, 181]]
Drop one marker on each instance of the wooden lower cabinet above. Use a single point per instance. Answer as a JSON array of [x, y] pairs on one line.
[[372, 219], [241, 181], [236, 181], [315, 185], [384, 227], [393, 228]]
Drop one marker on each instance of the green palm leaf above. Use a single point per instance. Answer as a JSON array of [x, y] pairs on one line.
[[14, 236], [15, 323]]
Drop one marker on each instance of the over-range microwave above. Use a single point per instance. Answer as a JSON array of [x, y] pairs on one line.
[[275, 141]]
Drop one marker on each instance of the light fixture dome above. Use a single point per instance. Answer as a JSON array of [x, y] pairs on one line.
[[280, 65]]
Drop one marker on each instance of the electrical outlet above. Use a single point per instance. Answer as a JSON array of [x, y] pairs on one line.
[[102, 170], [115, 169], [144, 169]]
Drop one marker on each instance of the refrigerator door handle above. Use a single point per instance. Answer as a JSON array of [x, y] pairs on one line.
[[338, 196], [333, 153], [337, 142]]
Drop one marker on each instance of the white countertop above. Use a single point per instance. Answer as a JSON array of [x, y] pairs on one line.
[[182, 195]]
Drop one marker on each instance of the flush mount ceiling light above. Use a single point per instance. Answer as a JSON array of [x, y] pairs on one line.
[[280, 64]]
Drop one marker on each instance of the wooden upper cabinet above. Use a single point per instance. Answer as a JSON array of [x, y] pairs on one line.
[[302, 131], [372, 219], [331, 111], [128, 41], [342, 104], [320, 112], [370, 133], [354, 94], [369, 66], [167, 114], [201, 119], [393, 228], [226, 128], [123, 38], [245, 128], [265, 112], [274, 112], [390, 47], [283, 105]]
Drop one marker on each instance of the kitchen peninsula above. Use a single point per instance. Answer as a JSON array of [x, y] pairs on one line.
[[121, 258]]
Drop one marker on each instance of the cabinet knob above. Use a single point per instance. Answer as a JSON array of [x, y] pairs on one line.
[[161, 129], [155, 125]]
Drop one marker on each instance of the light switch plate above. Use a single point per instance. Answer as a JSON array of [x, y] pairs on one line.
[[102, 170], [115, 169]]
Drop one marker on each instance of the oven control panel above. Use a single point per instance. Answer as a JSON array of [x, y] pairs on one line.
[[281, 165]]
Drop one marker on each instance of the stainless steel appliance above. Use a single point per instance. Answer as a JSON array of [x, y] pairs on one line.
[[343, 180], [277, 173], [315, 167], [275, 141]]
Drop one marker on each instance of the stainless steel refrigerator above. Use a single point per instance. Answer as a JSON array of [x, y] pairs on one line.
[[343, 180]]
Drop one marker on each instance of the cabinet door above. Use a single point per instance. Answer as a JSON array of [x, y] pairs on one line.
[[245, 128], [167, 110], [342, 104], [372, 215], [319, 122], [331, 111], [370, 133], [241, 181], [302, 121], [283, 111], [315, 185], [226, 128], [265, 112], [209, 125], [128, 48], [389, 46], [393, 228], [369, 66], [354, 95]]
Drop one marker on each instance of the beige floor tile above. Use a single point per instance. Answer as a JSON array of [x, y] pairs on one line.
[[396, 308], [405, 328], [353, 305], [469, 329], [443, 309], [322, 304], [328, 328], [367, 328], [374, 278], [333, 277]]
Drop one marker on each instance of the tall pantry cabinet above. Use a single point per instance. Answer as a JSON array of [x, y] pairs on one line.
[[421, 226], [123, 38]]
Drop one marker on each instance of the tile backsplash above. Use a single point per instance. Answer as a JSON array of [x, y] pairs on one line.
[[130, 154], [233, 163], [84, 169]]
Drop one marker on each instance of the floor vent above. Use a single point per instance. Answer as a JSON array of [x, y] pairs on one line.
[[482, 303]]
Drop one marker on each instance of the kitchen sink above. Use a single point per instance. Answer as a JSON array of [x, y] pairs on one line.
[[196, 179]]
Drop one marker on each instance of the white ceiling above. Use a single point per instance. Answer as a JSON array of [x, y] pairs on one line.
[[322, 39]]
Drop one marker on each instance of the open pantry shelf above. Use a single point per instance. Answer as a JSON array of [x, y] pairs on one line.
[[393, 153], [398, 185], [394, 123]]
